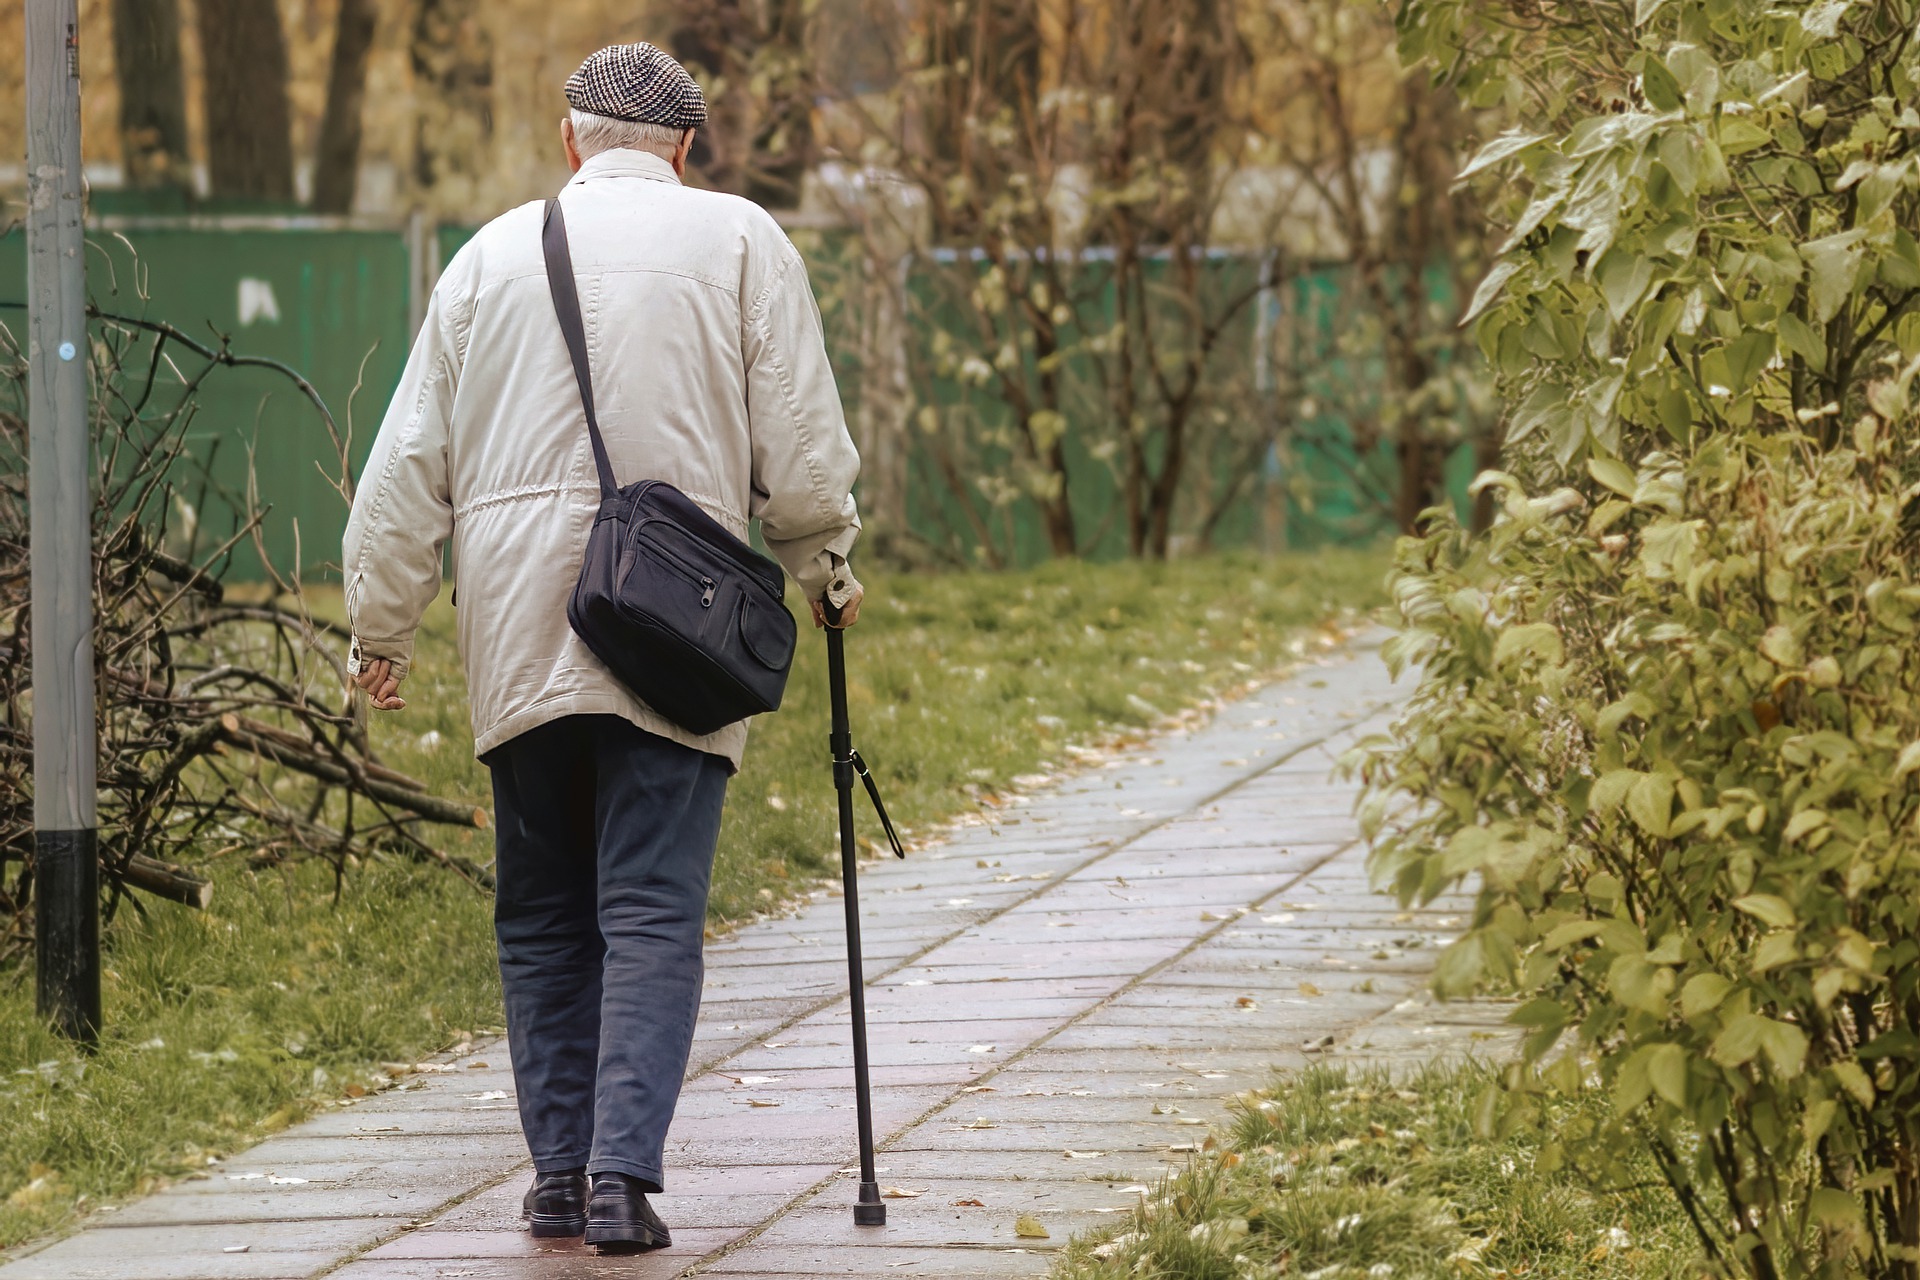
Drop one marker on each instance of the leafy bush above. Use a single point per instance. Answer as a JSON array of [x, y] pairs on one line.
[[1669, 716], [1346, 1174]]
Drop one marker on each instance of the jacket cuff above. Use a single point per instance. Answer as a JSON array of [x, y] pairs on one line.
[[362, 653]]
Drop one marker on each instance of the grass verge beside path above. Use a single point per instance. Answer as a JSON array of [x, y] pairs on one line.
[[1339, 1175], [226, 1025]]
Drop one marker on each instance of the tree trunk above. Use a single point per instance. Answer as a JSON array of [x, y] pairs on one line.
[[249, 134], [707, 38], [783, 137], [452, 56], [153, 96], [337, 162]]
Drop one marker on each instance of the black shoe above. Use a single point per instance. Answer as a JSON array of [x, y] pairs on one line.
[[620, 1220], [556, 1203]]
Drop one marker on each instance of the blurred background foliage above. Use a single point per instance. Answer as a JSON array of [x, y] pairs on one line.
[[1102, 279]]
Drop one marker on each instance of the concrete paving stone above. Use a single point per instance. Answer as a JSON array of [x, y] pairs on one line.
[[500, 1116], [924, 1221], [585, 1264], [975, 1002], [311, 1203], [207, 1261], [875, 1260], [436, 1243], [116, 1241], [1019, 1169]]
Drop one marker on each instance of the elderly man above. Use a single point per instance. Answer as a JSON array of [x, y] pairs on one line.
[[709, 372]]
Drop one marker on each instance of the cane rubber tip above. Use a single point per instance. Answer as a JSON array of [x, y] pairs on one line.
[[871, 1211]]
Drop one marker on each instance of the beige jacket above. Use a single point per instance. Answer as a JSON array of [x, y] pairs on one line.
[[709, 372]]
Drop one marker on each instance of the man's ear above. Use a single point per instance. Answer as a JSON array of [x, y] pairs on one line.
[[567, 140], [681, 152]]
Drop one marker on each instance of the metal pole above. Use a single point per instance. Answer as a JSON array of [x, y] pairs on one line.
[[66, 865], [869, 1210]]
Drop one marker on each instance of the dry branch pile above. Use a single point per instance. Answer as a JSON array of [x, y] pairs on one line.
[[225, 728]]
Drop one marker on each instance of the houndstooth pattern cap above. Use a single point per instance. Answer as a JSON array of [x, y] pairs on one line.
[[637, 82]]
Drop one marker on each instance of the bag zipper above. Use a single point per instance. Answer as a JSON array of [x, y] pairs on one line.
[[706, 599]]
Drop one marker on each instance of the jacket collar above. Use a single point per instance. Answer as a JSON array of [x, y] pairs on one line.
[[622, 163]]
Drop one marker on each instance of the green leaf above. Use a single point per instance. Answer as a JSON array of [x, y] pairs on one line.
[[1854, 1079], [1510, 143], [1571, 932], [1624, 276], [1907, 761], [1611, 788], [1767, 908], [1615, 713], [1662, 90], [1739, 1040], [1614, 474], [1539, 639], [1667, 1070], [1489, 291], [1650, 803], [1739, 135], [1803, 822], [1780, 647], [1833, 265], [1746, 356], [1800, 339], [1703, 994], [1643, 11], [1785, 1046]]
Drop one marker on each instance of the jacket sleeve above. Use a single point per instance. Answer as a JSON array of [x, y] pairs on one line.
[[804, 462], [402, 509]]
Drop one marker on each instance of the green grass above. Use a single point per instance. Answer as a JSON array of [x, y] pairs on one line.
[[1338, 1175], [226, 1025]]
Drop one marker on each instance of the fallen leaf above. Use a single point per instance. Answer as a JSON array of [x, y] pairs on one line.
[[1285, 917], [1246, 1002], [982, 1048], [1028, 1227], [1308, 989], [971, 1202], [476, 1066], [1168, 1109], [761, 1102], [902, 1193], [1084, 1155], [746, 1080], [491, 1095], [236, 1248], [356, 1091], [981, 1122], [979, 1088]]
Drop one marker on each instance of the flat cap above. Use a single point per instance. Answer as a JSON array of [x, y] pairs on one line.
[[637, 82]]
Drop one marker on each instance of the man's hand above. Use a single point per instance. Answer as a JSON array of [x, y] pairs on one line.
[[849, 612], [382, 686]]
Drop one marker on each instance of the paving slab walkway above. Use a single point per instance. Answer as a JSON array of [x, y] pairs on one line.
[[1061, 1000]]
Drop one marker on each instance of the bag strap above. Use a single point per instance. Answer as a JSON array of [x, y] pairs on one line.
[[566, 306]]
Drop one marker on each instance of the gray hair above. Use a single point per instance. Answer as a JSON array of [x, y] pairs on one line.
[[593, 134]]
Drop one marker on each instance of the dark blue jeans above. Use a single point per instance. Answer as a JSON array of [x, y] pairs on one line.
[[605, 836]]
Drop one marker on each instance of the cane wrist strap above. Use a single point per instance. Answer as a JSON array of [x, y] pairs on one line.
[[873, 793]]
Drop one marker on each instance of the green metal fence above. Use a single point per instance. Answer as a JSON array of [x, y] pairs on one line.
[[338, 300]]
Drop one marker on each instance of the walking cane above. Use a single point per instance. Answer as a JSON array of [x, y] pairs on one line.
[[869, 1210]]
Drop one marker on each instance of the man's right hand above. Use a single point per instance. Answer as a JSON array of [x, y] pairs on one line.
[[849, 612]]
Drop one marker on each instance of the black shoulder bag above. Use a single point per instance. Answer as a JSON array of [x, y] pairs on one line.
[[686, 615]]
